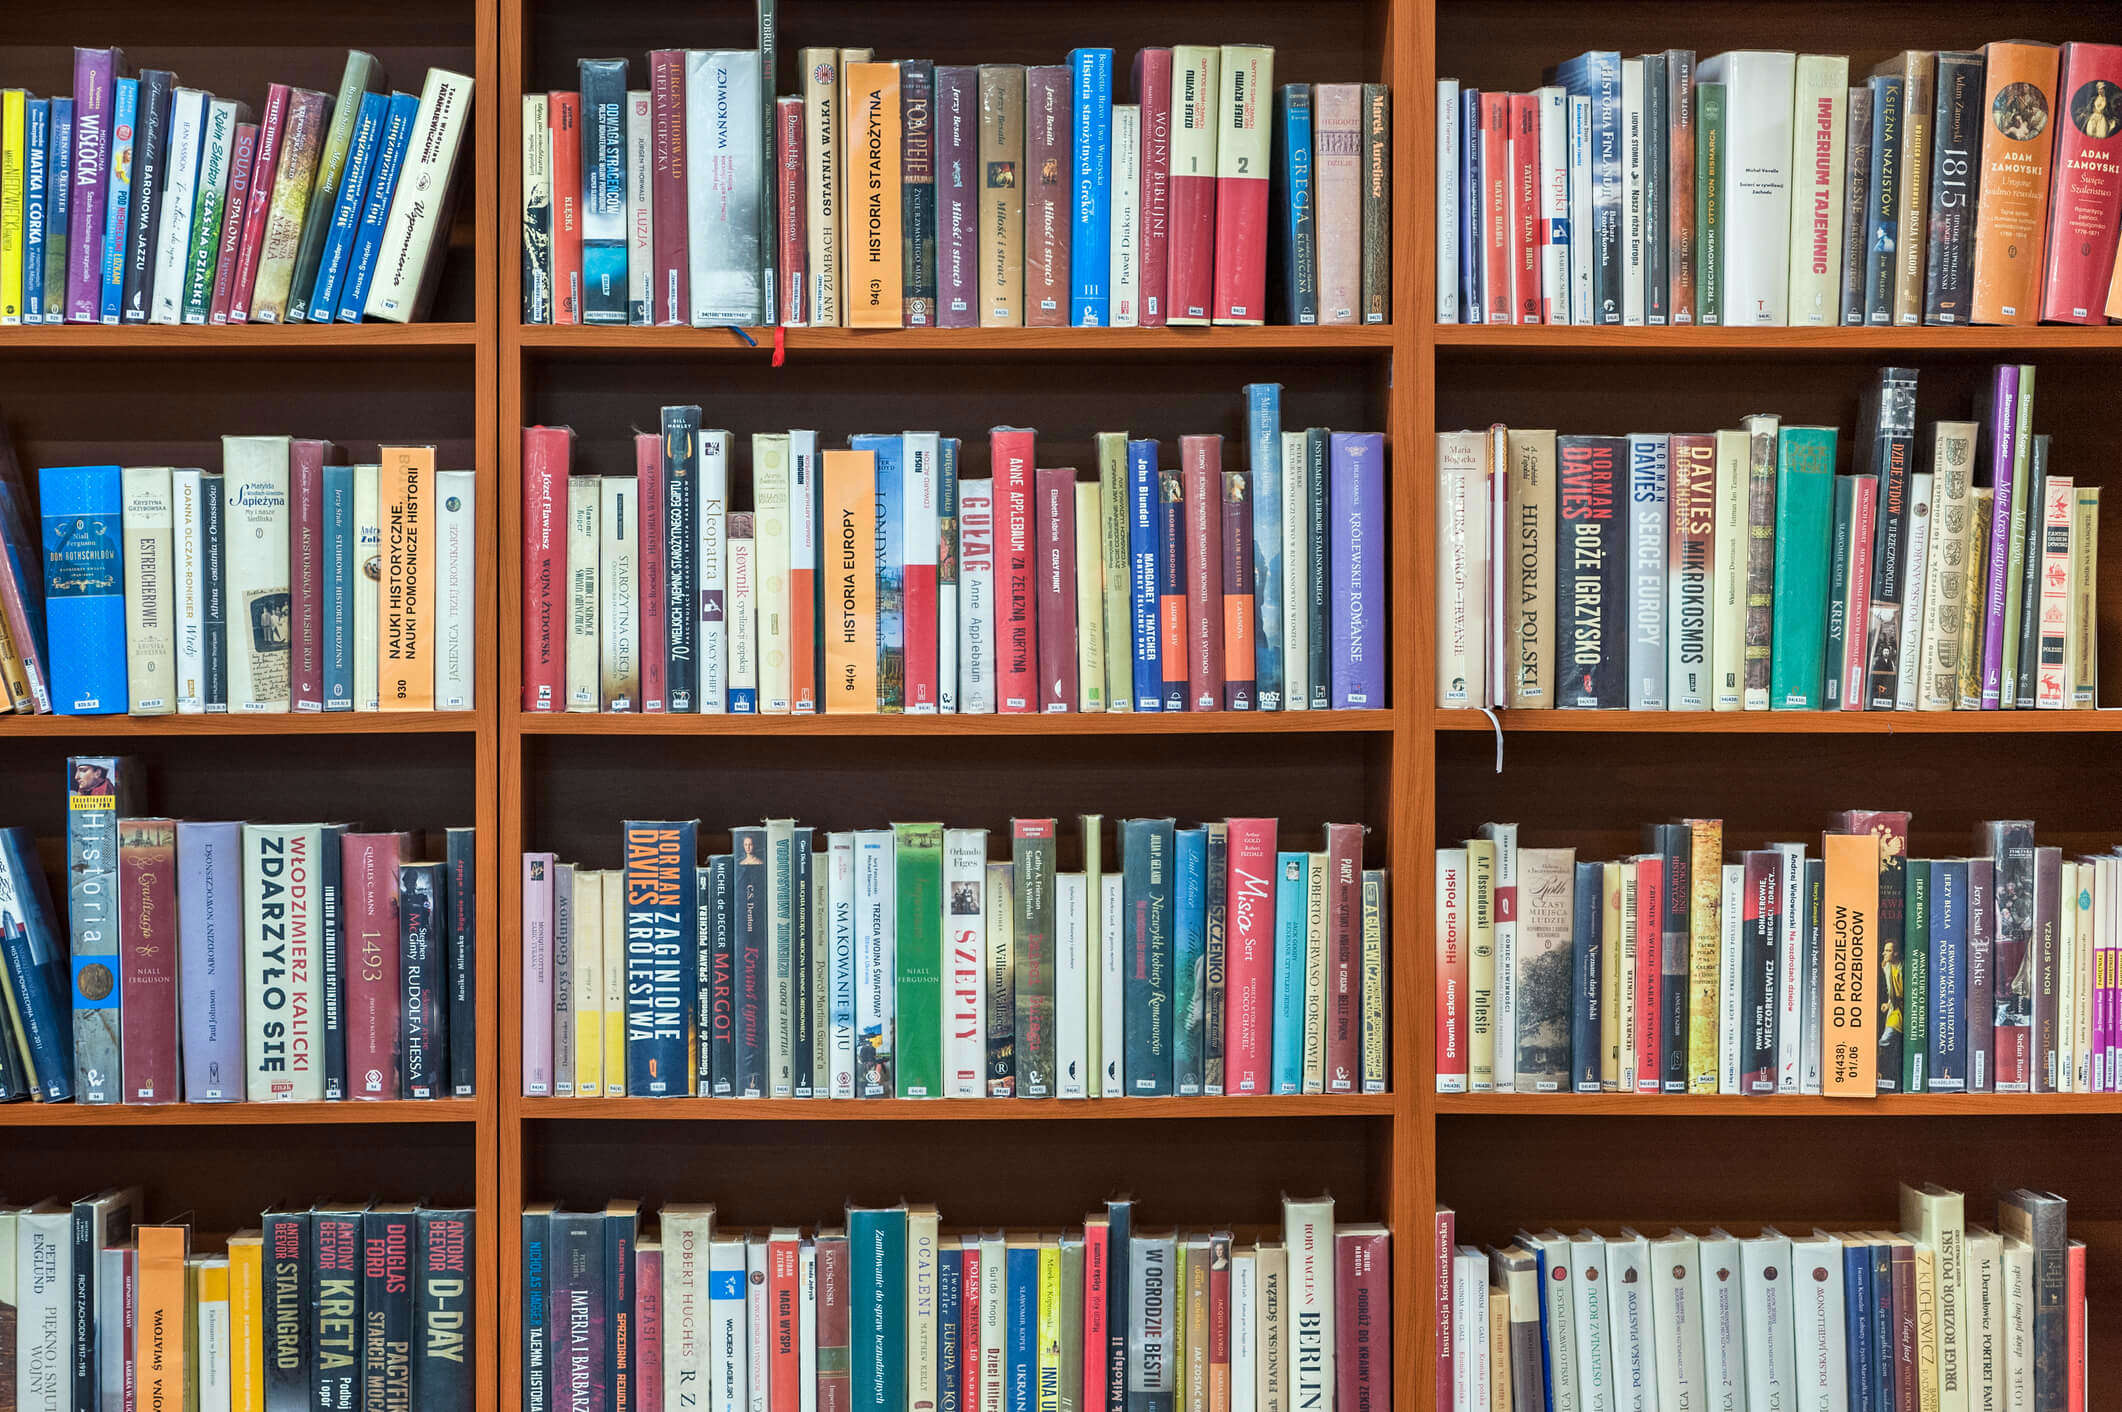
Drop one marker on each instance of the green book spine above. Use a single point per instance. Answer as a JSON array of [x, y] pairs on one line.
[[2015, 560], [207, 212], [876, 1307], [1709, 202], [918, 991], [1805, 521], [1032, 853], [1838, 594], [363, 74], [1915, 947]]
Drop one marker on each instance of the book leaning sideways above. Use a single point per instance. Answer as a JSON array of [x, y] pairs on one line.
[[416, 234]]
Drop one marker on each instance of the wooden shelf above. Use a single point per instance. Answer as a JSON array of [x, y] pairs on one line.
[[1614, 341], [1067, 724], [289, 723], [914, 1110], [1272, 338], [236, 1115], [1787, 722], [190, 339], [1908, 1105]]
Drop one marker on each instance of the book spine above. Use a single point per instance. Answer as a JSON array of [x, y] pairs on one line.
[[1153, 90], [1055, 498], [1190, 276], [209, 878], [1047, 220], [424, 1037], [1142, 577], [1003, 181], [1296, 231], [376, 209], [1244, 117], [1172, 588], [1201, 459], [1956, 127], [345, 219], [917, 192], [2085, 199], [1090, 188], [2011, 225], [1236, 619], [443, 1375]]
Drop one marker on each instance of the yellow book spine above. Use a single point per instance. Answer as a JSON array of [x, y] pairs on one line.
[[875, 273], [1198, 1333], [1481, 977], [1049, 1325], [1610, 942], [1926, 1329], [615, 984], [1090, 598], [849, 561], [14, 145], [1850, 899], [246, 1322], [407, 600], [14, 683], [159, 1305], [588, 969], [1704, 950]]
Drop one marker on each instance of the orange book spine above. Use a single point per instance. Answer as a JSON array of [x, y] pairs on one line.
[[876, 293], [1851, 902], [850, 488], [2011, 209], [407, 601], [158, 1340]]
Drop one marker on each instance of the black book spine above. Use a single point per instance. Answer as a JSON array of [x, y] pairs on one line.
[[286, 1312], [422, 1036], [1589, 573], [720, 1005], [1673, 845], [1320, 638], [681, 481], [1586, 969], [753, 898], [1657, 184], [2029, 624], [1119, 1299], [336, 1324], [82, 1292], [158, 89], [14, 1075], [444, 1319], [1838, 592], [803, 1036], [1856, 204], [620, 1234], [1883, 200], [1759, 961], [1956, 148], [917, 143], [1294, 228], [537, 1390], [576, 1310], [1887, 436], [386, 1311], [331, 891], [214, 609], [462, 856]]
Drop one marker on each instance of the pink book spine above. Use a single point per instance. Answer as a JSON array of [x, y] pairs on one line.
[[1337, 178], [148, 979], [1097, 1294], [918, 583], [671, 295], [1249, 977], [1442, 1248], [538, 975], [1363, 1325], [1858, 616], [1201, 476], [654, 586], [232, 223], [305, 554], [1650, 896], [260, 202], [545, 461], [369, 890], [794, 255], [1153, 91], [1018, 638], [648, 1330]]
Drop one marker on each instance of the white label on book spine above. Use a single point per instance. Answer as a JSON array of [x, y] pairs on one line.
[[976, 587], [150, 632], [584, 514], [711, 535], [456, 578], [368, 587]]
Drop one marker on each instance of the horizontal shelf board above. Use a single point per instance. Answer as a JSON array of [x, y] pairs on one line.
[[1789, 722], [234, 1115], [1907, 1105], [1538, 338], [1060, 723], [1271, 338], [287, 723], [233, 338], [1029, 1110]]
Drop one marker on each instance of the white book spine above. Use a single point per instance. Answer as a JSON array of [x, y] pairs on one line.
[[1819, 134], [965, 912], [1072, 986], [1244, 1327], [1552, 105], [744, 621], [2016, 1327], [173, 236], [1504, 928], [1758, 89], [875, 887], [1648, 510], [1462, 588], [537, 207], [806, 1330], [686, 1232], [43, 1276], [1732, 918], [728, 1327], [584, 516], [803, 470], [923, 1247], [150, 627], [414, 227], [1728, 573], [1448, 140], [1127, 226], [1984, 1291], [570, 885], [284, 990], [1629, 1324], [618, 594], [1296, 574], [1790, 971], [723, 186], [1725, 1330], [711, 536], [1771, 1354], [1820, 1362], [1112, 952], [1582, 246], [1635, 222], [640, 208], [1308, 1235], [921, 534], [456, 583], [368, 587], [1470, 1378], [1558, 1297], [771, 544], [840, 937], [758, 1385], [994, 1322], [188, 488], [821, 180], [1679, 1312], [256, 558], [1921, 489], [1590, 1296], [976, 586]]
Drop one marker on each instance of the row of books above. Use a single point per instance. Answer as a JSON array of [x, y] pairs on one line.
[[903, 193], [1938, 1314], [892, 1310], [1759, 187], [138, 200], [356, 1306], [283, 580], [901, 962], [876, 579], [234, 962], [1851, 971], [1736, 570]]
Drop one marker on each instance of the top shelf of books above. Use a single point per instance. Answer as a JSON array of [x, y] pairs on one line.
[[1622, 341]]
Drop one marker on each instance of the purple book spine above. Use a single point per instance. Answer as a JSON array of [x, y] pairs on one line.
[[2003, 424], [1981, 971], [538, 873], [1356, 511], [957, 195], [210, 948], [94, 71]]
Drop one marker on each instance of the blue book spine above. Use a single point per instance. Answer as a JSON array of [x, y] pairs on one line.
[[1146, 902], [1189, 958], [1547, 1365], [1856, 1325], [1171, 578], [1263, 435], [1296, 235], [1292, 886], [1470, 188], [1586, 970], [36, 204], [338, 636], [1142, 574], [125, 113], [1948, 976], [604, 190], [891, 569], [950, 1329], [375, 211], [1596, 75], [35, 964], [1090, 237], [622, 1232], [876, 1307], [346, 215], [210, 937], [537, 1341], [662, 911], [1020, 1378], [1882, 1328], [58, 184], [84, 588]]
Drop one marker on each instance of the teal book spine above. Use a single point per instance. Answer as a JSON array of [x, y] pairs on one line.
[[918, 991], [1190, 958], [1292, 882], [338, 635], [1263, 447], [1805, 512], [1916, 981], [84, 588], [1146, 902], [876, 1308]]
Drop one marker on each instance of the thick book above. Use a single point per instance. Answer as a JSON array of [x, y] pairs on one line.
[[1243, 114], [1356, 592], [2012, 188], [1090, 253], [874, 259], [959, 186], [2085, 199], [209, 882], [1153, 85], [1589, 573], [1956, 139], [84, 599], [1195, 129], [1755, 181], [1803, 545], [1003, 181]]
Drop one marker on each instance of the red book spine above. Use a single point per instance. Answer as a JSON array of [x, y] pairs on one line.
[[783, 1357], [2085, 186], [245, 156], [1010, 451], [795, 216], [1190, 280], [564, 117], [1241, 200], [1219, 1324], [1858, 616], [918, 576], [1249, 968], [1097, 1271], [1237, 593], [259, 202], [1201, 474], [1452, 970], [1344, 914], [1498, 288], [1056, 490], [369, 893], [2074, 1321], [969, 1328], [835, 1392], [147, 937], [653, 576], [545, 457], [1525, 206], [1153, 91], [648, 1330], [1650, 904], [1363, 1325], [306, 573], [669, 297], [1442, 1248]]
